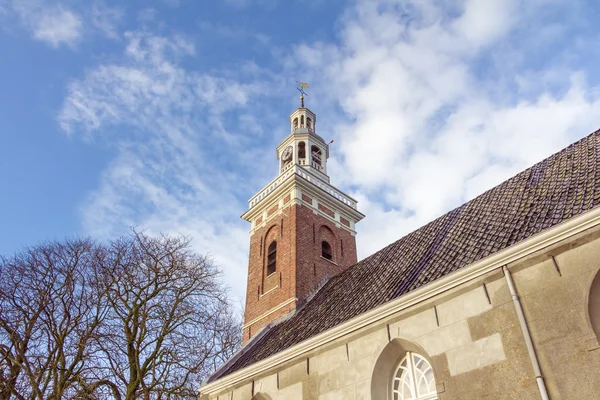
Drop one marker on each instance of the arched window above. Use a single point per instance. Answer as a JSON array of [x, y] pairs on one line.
[[316, 155], [302, 121], [272, 258], [413, 379], [295, 122], [326, 250], [301, 150], [594, 305], [308, 122]]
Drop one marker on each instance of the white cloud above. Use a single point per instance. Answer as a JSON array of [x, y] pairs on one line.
[[62, 23], [430, 117], [53, 24], [57, 26], [485, 21]]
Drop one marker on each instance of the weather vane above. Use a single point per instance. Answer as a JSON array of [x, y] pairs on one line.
[[303, 85]]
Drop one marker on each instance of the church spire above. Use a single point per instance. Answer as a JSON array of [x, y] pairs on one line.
[[303, 228]]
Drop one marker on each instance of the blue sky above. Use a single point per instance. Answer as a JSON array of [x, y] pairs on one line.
[[165, 114]]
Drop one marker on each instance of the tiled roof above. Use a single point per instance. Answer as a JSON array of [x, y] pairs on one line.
[[562, 186]]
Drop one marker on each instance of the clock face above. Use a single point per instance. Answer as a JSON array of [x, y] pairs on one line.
[[287, 154]]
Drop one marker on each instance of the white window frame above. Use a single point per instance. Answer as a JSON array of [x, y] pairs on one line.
[[412, 359]]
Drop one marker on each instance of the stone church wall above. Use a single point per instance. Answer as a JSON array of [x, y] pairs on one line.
[[471, 336]]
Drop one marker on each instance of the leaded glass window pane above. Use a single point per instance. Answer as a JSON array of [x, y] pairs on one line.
[[413, 379]]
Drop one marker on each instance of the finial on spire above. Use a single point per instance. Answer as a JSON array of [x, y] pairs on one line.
[[303, 85]]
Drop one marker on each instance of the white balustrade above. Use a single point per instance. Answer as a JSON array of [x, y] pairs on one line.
[[296, 170]]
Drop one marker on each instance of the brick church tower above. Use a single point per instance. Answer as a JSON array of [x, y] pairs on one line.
[[302, 228]]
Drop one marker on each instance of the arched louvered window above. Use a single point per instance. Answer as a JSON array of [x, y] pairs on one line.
[[309, 122], [272, 258], [413, 379], [295, 122], [326, 250]]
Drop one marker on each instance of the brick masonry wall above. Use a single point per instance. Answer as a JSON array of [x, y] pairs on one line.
[[313, 269], [300, 267], [258, 300]]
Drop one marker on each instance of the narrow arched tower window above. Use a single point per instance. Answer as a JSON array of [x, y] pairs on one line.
[[309, 122], [295, 122], [326, 250], [272, 258], [302, 121], [316, 155], [413, 379], [301, 150]]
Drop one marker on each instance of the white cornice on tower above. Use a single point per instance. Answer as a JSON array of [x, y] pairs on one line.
[[297, 181]]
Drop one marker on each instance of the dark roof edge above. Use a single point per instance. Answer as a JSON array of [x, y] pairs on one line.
[[216, 375], [245, 348]]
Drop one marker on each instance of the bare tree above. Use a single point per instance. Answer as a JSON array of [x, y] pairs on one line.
[[50, 309], [169, 320], [137, 318]]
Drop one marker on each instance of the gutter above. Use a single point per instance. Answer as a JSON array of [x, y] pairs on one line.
[[526, 335], [479, 268]]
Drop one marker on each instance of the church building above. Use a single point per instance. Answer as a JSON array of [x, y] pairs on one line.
[[497, 299]]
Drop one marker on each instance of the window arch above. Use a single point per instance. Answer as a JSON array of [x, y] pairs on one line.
[[295, 122], [302, 121], [413, 379], [309, 122], [326, 251], [272, 258], [387, 372], [594, 305]]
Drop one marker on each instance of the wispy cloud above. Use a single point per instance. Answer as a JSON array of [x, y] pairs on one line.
[[62, 23], [54, 24], [248, 3], [107, 19], [176, 154]]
